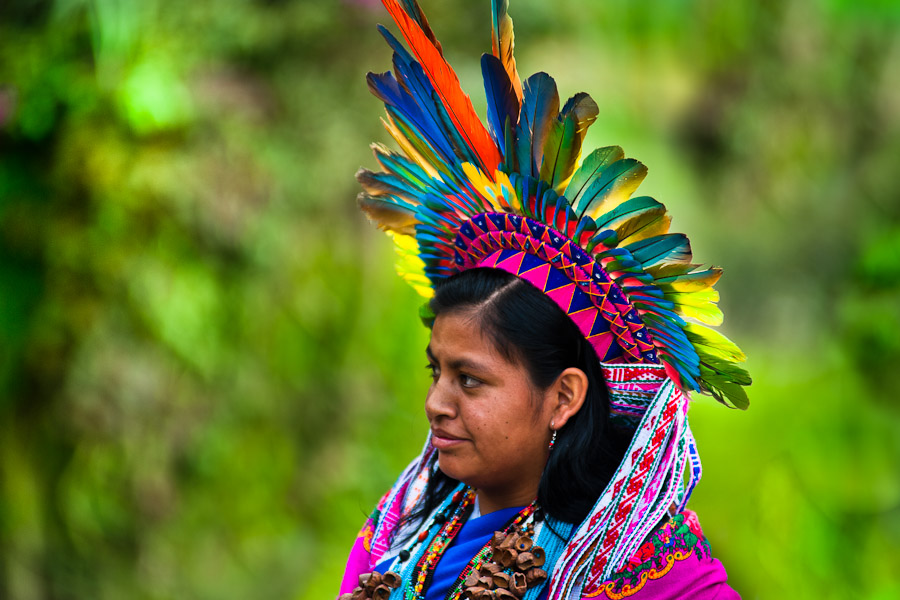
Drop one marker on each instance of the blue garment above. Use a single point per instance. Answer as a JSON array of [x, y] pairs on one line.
[[475, 533]]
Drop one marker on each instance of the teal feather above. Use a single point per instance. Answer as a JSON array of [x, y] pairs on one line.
[[624, 172], [557, 154], [592, 166], [386, 184], [540, 107], [606, 239], [403, 168], [628, 209], [671, 247], [510, 140], [586, 227], [563, 145]]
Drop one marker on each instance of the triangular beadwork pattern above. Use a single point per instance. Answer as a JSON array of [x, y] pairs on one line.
[[553, 263]]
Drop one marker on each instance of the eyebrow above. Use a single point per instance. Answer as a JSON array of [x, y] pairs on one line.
[[459, 364]]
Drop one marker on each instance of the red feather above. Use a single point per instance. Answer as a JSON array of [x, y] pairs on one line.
[[446, 83]]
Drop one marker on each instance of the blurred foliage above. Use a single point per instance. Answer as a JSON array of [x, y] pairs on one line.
[[208, 373]]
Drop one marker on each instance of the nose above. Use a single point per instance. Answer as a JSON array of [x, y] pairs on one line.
[[440, 402]]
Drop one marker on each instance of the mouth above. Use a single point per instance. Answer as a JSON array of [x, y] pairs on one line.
[[443, 440]]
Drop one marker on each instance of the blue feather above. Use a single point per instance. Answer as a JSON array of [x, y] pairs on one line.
[[502, 103]]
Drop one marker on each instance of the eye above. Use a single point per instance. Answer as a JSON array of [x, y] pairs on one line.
[[468, 381], [433, 370]]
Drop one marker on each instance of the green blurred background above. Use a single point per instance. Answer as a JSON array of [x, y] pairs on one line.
[[209, 373]]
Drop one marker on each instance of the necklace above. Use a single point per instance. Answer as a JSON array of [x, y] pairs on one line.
[[425, 568], [505, 567], [496, 571]]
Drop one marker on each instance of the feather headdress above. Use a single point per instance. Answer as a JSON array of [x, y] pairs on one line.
[[515, 193]]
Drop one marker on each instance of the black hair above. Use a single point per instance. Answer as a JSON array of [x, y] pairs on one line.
[[528, 328]]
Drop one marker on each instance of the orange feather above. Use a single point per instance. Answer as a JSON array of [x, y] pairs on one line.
[[446, 83]]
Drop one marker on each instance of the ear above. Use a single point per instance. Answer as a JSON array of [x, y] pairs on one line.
[[566, 396]]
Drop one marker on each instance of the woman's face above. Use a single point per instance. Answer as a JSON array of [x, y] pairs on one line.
[[490, 425]]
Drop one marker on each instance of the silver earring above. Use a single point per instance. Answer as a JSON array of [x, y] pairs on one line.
[[552, 440]]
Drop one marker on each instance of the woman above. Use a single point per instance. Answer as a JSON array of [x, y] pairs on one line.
[[560, 353]]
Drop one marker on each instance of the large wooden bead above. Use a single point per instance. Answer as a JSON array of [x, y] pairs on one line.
[[502, 594], [472, 579], [524, 544], [474, 593], [517, 584], [501, 580], [392, 580], [497, 539], [525, 561], [534, 576], [506, 557], [372, 582], [381, 592], [539, 556]]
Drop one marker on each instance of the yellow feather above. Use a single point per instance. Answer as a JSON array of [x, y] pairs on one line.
[[499, 194], [409, 266], [658, 226], [619, 192]]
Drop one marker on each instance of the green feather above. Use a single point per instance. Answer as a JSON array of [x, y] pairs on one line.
[[642, 227], [690, 282], [594, 164], [560, 152], [563, 145], [725, 392], [611, 187], [709, 314], [664, 270], [509, 138], [725, 370]]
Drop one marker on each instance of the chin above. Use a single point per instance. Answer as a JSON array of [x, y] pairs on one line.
[[461, 470], [452, 467]]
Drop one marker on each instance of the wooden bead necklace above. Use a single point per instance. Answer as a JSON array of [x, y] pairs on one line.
[[504, 569]]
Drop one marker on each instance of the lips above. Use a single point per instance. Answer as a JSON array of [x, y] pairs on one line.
[[444, 440]]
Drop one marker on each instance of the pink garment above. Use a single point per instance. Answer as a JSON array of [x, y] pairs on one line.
[[357, 564], [700, 579], [674, 563]]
